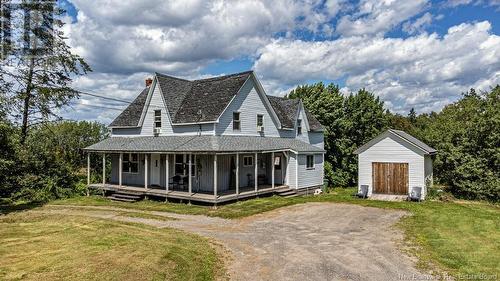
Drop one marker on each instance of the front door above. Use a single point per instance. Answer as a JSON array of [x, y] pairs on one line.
[[155, 169], [278, 169], [390, 178]]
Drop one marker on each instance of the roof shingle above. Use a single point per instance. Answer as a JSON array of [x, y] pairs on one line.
[[132, 114], [202, 144]]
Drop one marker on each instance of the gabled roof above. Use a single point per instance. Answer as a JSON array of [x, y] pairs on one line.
[[207, 98], [187, 101], [202, 144], [400, 135], [286, 109], [131, 116], [204, 100]]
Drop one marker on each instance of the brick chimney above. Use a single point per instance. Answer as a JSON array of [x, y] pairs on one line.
[[149, 81]]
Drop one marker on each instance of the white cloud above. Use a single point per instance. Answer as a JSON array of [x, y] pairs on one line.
[[424, 71], [378, 17], [419, 25], [183, 36]]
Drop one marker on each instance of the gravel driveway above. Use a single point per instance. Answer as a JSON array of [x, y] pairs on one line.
[[314, 241]]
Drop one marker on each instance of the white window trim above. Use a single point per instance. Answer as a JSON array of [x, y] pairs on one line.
[[156, 116], [239, 121], [130, 161], [257, 120], [301, 127], [246, 157], [313, 162]]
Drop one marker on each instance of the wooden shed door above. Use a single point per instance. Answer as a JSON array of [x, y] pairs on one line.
[[390, 178]]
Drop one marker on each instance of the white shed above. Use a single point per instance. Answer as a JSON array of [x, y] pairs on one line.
[[395, 163]]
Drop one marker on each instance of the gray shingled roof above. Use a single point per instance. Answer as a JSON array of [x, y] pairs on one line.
[[400, 134], [132, 114], [414, 141], [204, 100], [208, 98], [202, 144], [286, 109]]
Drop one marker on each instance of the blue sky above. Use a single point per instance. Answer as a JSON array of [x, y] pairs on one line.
[[421, 54]]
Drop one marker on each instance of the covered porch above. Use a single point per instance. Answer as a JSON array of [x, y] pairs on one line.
[[203, 177], [222, 197]]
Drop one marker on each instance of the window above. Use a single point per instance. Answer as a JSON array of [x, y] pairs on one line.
[[310, 162], [130, 163], [236, 121], [299, 127], [247, 161], [179, 164], [260, 120], [157, 118], [182, 164], [277, 162]]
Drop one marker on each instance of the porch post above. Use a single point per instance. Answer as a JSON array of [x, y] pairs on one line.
[[215, 175], [103, 168], [88, 172], [166, 172], [189, 175], [272, 173], [120, 170], [145, 171], [237, 173], [255, 180]]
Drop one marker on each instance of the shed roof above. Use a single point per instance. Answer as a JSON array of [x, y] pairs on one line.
[[400, 135], [202, 144]]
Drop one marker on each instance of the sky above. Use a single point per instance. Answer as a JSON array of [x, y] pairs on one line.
[[417, 54]]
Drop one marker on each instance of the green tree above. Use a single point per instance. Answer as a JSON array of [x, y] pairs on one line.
[[38, 82], [467, 137], [349, 122]]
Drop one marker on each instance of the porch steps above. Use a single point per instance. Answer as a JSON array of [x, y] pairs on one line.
[[124, 197], [287, 193]]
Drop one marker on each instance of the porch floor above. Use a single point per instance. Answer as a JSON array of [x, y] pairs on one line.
[[222, 196]]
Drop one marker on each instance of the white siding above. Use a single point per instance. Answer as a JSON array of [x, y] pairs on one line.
[[126, 132], [317, 139], [310, 177], [156, 103], [292, 170], [249, 103], [392, 150], [202, 129], [305, 134]]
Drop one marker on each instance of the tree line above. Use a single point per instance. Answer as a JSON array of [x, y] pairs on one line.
[[466, 134]]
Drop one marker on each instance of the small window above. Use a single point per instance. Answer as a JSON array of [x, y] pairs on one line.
[[157, 118], [277, 163], [260, 120], [299, 127], [247, 161], [236, 121], [130, 163], [310, 162]]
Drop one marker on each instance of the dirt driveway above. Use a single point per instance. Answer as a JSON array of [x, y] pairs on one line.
[[314, 241]]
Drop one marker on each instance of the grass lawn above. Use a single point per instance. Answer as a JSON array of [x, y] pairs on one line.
[[36, 246], [461, 238]]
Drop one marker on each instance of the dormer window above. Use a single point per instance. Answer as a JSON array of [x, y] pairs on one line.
[[299, 127], [157, 118], [236, 121], [260, 120]]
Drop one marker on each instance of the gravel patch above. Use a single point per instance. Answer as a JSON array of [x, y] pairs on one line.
[[313, 241]]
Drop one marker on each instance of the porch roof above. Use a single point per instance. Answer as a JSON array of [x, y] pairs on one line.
[[202, 144]]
